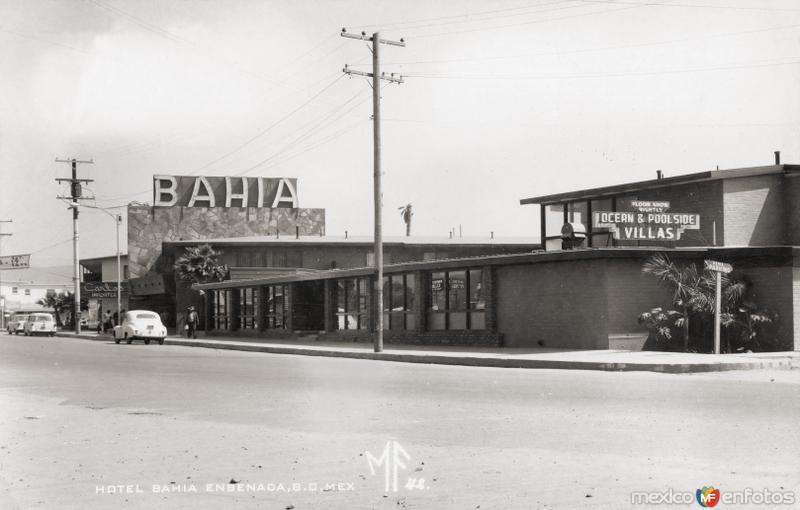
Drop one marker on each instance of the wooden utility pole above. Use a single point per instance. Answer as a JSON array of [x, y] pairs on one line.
[[3, 304], [75, 195], [376, 76]]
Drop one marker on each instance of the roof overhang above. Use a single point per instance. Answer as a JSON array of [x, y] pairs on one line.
[[633, 187]]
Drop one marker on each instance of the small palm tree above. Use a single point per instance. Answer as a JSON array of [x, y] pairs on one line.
[[687, 284], [58, 302], [406, 214], [200, 264]]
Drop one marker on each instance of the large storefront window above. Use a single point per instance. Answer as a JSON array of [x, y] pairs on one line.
[[352, 303], [220, 309], [457, 300], [399, 298], [248, 304], [276, 308]]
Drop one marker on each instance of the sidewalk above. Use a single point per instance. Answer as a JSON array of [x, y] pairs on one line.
[[651, 361]]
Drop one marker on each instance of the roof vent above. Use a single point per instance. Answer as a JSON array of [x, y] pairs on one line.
[[659, 174], [777, 157]]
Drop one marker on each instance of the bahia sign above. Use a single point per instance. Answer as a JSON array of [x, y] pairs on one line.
[[650, 221], [199, 191]]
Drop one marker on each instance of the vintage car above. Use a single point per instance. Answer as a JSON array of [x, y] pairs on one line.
[[40, 324], [140, 324], [16, 324]]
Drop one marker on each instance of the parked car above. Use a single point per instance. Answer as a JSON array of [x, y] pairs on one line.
[[140, 324], [40, 324], [16, 324]]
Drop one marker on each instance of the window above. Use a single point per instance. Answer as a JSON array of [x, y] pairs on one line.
[[276, 307], [352, 299], [125, 274], [399, 298], [14, 290], [27, 292], [458, 300], [553, 221], [219, 309], [248, 304]]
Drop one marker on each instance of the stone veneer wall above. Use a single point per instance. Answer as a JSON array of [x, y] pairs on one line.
[[149, 226]]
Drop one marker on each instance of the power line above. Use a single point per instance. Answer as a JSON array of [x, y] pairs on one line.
[[533, 22], [45, 41], [317, 125], [457, 16], [597, 49], [698, 6], [605, 75], [268, 128]]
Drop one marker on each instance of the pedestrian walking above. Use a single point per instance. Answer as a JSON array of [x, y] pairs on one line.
[[191, 323]]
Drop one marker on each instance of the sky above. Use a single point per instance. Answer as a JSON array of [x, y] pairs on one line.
[[501, 100]]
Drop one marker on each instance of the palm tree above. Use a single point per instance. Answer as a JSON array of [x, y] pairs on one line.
[[406, 213], [200, 264], [694, 292], [687, 286], [58, 302]]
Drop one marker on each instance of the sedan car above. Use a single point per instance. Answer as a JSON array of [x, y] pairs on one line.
[[16, 325], [40, 324], [140, 324]]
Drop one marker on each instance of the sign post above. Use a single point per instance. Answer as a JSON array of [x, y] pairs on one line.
[[718, 268]]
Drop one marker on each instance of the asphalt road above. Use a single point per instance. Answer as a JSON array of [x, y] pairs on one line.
[[88, 424]]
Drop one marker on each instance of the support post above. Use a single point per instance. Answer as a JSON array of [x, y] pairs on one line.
[[717, 308]]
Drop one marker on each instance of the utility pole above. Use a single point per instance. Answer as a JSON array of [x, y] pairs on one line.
[[376, 76], [75, 195], [2, 297]]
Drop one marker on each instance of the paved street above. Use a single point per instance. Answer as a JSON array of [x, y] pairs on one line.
[[90, 424]]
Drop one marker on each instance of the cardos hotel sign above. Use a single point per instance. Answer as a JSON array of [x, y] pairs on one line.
[[199, 191], [646, 221]]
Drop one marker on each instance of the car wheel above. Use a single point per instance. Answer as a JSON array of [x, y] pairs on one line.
[[52, 334], [116, 340], [160, 341], [128, 340], [147, 341]]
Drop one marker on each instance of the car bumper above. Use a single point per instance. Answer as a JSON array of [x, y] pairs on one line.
[[150, 334]]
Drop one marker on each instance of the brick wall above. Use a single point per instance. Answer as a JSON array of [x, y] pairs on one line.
[[630, 293], [754, 211], [560, 304], [791, 204]]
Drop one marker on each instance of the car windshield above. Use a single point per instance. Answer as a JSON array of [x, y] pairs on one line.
[[149, 316], [42, 318]]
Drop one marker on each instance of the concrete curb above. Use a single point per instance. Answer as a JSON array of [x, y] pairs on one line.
[[473, 361]]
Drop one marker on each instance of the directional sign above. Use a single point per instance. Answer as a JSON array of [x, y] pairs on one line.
[[15, 261], [720, 267]]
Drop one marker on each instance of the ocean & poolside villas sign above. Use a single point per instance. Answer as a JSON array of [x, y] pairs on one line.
[[647, 221]]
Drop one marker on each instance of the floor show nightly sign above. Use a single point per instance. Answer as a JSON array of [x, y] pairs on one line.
[[647, 221]]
